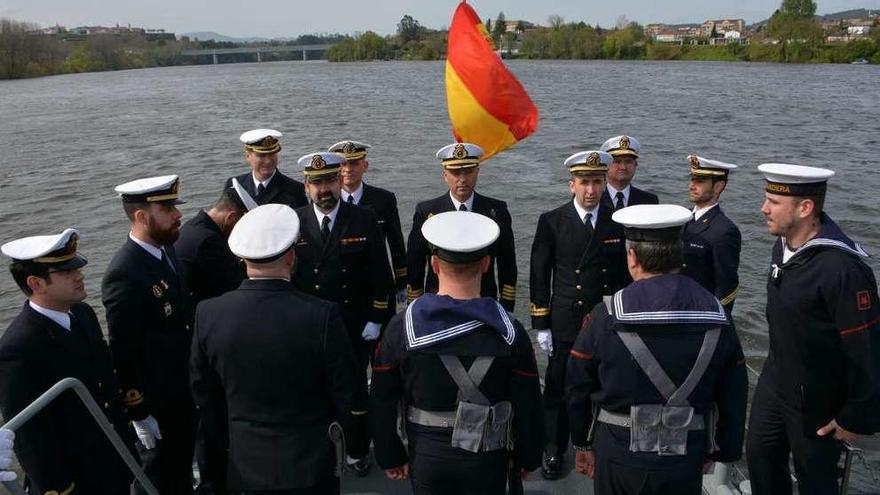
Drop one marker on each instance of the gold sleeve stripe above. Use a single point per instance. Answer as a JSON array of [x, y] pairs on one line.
[[380, 305], [359, 413], [537, 311], [729, 298]]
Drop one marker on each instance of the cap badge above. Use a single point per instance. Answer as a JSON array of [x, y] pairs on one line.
[[623, 143], [348, 148], [593, 160], [695, 162], [268, 142], [157, 291], [71, 244], [459, 152], [318, 162]]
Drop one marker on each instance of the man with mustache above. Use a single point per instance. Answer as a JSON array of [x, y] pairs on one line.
[[341, 258], [578, 256], [461, 169], [710, 240], [620, 193], [57, 335], [265, 183], [150, 334]]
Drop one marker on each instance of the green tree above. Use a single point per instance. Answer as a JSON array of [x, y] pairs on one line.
[[500, 27], [803, 9], [409, 29]]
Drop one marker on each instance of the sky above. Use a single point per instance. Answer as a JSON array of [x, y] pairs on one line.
[[291, 18]]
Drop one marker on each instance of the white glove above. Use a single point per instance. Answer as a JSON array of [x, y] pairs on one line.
[[545, 341], [401, 296], [147, 431], [6, 440], [371, 331]]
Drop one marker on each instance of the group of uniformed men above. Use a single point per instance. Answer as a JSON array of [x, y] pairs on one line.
[[243, 337]]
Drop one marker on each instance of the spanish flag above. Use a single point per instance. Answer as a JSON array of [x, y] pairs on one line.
[[487, 105]]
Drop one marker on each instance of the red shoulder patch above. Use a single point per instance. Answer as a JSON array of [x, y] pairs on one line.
[[863, 299]]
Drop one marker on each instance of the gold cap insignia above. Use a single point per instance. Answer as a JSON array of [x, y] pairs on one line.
[[157, 291], [695, 162], [268, 142], [348, 148], [459, 152], [593, 160], [70, 248], [624, 142], [318, 162]]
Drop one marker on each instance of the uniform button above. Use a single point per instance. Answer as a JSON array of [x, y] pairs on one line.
[[580, 303], [605, 286], [345, 301], [344, 286], [344, 270], [578, 287], [577, 272], [316, 270], [684, 265], [603, 270], [106, 405], [100, 385], [317, 287]]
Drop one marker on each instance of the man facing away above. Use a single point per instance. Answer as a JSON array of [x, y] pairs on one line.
[[577, 257], [711, 241], [55, 336], [461, 169], [649, 368], [819, 385], [285, 377], [464, 373]]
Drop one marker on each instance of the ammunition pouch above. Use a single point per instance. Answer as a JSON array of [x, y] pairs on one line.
[[481, 428]]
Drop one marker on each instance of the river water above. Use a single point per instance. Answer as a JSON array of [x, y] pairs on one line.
[[67, 140]]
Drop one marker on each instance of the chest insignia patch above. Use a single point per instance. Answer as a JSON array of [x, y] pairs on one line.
[[863, 298], [167, 309], [157, 291]]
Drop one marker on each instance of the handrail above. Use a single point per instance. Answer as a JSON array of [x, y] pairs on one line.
[[86, 398]]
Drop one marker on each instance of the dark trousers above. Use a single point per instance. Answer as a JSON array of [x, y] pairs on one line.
[[169, 464], [613, 478], [436, 467], [775, 430], [327, 486], [555, 409], [357, 438]]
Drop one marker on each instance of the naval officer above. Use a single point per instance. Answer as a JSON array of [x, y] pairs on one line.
[[265, 183], [650, 366], [56, 335], [464, 371], [461, 168], [821, 381], [285, 378], [384, 205], [620, 192], [577, 257], [150, 334], [341, 258], [711, 240]]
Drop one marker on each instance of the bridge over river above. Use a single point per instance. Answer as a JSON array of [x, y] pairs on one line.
[[258, 51]]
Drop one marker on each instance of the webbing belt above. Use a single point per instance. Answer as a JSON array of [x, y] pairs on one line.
[[624, 420]]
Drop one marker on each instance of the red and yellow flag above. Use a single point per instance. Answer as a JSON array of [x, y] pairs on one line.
[[487, 105]]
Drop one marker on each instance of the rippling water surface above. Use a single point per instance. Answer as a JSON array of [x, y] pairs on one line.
[[66, 141]]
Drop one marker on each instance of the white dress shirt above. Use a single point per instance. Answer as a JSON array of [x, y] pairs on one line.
[[357, 193], [582, 213], [332, 214], [265, 183], [58, 317], [469, 203], [156, 251], [702, 211], [613, 193]]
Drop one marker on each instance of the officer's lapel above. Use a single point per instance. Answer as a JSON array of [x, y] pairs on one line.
[[273, 189], [591, 246], [53, 331], [247, 182], [693, 229], [340, 226], [312, 230]]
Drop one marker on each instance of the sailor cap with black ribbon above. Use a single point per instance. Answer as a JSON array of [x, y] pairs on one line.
[[588, 162], [350, 150], [321, 163], [57, 252], [652, 223], [622, 145], [151, 190], [704, 167], [795, 180], [261, 141], [460, 236], [460, 155], [265, 233]]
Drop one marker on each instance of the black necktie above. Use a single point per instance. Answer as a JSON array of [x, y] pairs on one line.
[[462, 207], [325, 228], [588, 225], [351, 199], [167, 261], [260, 189], [619, 203]]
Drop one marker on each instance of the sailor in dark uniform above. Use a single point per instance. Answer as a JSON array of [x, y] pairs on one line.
[[207, 266], [649, 368], [463, 370], [150, 334], [821, 381], [341, 258], [620, 193], [461, 168], [285, 377], [55, 336], [578, 256], [265, 183], [384, 205], [711, 241]]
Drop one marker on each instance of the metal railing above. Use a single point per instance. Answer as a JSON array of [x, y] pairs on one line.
[[86, 398]]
